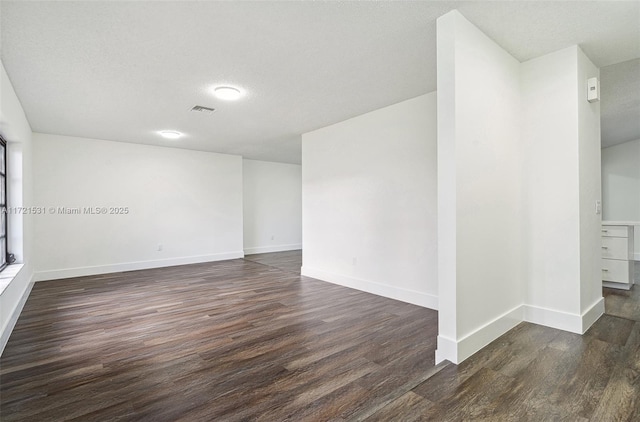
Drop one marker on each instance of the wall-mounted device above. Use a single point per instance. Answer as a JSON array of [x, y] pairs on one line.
[[593, 90]]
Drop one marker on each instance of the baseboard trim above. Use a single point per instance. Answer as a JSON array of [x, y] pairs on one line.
[[553, 318], [482, 336], [636, 256], [275, 248], [591, 315], [132, 266], [398, 293], [574, 323], [447, 349], [457, 351], [15, 314]]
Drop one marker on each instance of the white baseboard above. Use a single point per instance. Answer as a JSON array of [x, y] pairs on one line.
[[574, 323], [482, 336], [132, 266], [457, 351], [553, 318], [274, 248], [592, 314], [15, 314], [636, 256], [392, 292], [447, 349]]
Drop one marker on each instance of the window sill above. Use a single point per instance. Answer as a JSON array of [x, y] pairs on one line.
[[8, 274]]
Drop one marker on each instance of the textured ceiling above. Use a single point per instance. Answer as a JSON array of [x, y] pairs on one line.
[[620, 102], [123, 70]]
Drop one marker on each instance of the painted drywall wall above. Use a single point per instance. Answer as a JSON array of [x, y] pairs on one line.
[[589, 161], [550, 137], [164, 206], [519, 176], [369, 202], [561, 134], [15, 129], [272, 206], [446, 193], [621, 185], [480, 190]]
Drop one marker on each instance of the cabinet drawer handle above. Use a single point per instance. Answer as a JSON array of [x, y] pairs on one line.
[[604, 269], [605, 247]]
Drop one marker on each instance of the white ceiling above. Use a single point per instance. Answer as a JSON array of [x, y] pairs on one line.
[[123, 70]]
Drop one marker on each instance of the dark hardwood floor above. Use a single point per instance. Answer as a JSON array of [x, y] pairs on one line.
[[252, 340], [225, 341], [624, 303], [535, 373], [289, 261]]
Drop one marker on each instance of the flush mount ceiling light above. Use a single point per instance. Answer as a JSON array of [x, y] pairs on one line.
[[170, 134], [227, 93]]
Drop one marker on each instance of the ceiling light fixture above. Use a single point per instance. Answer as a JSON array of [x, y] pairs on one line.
[[227, 93], [170, 134]]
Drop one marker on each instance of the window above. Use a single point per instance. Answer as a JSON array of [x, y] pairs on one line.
[[3, 203]]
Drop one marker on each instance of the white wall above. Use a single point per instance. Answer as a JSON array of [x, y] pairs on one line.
[[272, 205], [15, 128], [621, 185], [590, 181], [189, 202], [480, 189], [519, 175], [551, 140], [561, 135], [369, 202]]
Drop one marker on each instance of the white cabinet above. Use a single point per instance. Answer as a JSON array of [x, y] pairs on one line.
[[616, 231], [615, 248], [617, 256]]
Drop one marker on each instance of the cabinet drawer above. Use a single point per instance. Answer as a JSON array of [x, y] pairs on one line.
[[615, 248], [615, 231], [614, 270]]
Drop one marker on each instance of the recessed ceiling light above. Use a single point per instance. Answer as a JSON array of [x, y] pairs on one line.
[[228, 93], [170, 134]]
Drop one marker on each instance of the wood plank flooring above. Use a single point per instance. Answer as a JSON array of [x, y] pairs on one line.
[[535, 373], [226, 341], [289, 261], [247, 340], [624, 303]]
